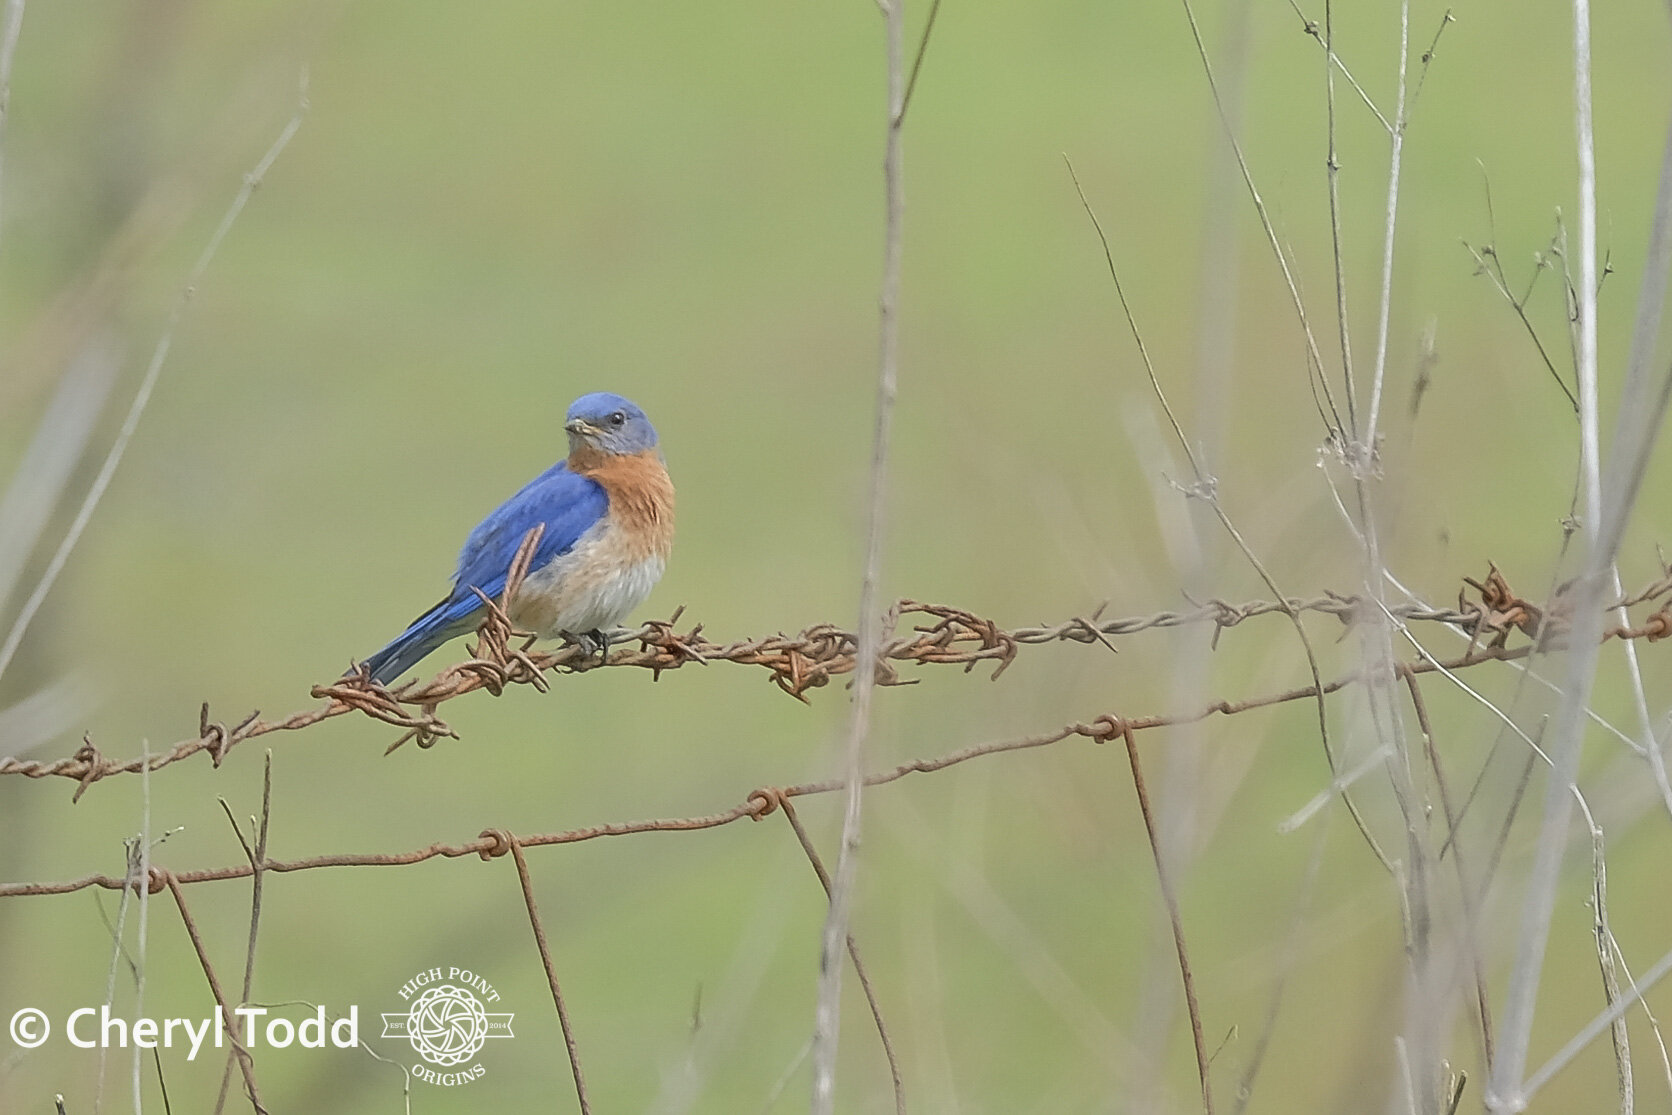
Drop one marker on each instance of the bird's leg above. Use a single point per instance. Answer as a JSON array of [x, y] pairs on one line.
[[596, 641]]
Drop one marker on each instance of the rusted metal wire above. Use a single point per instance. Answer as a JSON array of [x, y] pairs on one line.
[[944, 635], [766, 800]]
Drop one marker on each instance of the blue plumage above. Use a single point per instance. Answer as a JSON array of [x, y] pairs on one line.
[[608, 516], [567, 503]]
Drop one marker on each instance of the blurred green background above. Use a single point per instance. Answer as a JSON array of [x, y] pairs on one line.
[[491, 209]]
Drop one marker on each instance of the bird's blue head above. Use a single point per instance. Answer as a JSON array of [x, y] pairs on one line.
[[607, 423]]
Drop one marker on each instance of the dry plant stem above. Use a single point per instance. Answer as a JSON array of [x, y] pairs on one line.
[[143, 936], [1299, 923], [1488, 264], [827, 1012], [1333, 172], [1590, 453], [56, 448], [1315, 362], [1311, 28], [1645, 723], [130, 884], [1206, 488], [1466, 894], [1174, 919], [256, 857], [1639, 425], [227, 1017], [917, 61], [1606, 946], [1595, 1027], [1425, 993], [1395, 164], [1535, 752], [812, 854], [136, 408], [11, 25], [1648, 1015], [551, 971], [1446, 20], [1506, 1091]]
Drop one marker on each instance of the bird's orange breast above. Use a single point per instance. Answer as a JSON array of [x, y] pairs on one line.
[[641, 498]]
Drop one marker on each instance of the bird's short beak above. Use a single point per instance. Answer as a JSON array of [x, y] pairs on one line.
[[579, 427]]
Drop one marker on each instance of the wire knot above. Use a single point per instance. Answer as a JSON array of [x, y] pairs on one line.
[[1659, 625], [95, 766], [1103, 729], [764, 802], [498, 842]]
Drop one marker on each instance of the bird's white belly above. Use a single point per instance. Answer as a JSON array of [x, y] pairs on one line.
[[592, 587]]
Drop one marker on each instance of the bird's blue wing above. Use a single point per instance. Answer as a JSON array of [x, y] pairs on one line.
[[567, 503]]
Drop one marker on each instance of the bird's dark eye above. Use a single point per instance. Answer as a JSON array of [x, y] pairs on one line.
[[618, 419]]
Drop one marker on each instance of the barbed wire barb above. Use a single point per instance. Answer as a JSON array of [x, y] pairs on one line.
[[809, 660]]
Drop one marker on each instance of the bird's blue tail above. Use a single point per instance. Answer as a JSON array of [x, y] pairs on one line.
[[425, 633]]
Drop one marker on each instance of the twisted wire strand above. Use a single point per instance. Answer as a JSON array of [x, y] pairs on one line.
[[811, 659]]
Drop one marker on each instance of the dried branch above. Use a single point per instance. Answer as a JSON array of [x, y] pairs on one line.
[[827, 1011]]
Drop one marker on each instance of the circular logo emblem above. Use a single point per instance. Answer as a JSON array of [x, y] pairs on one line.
[[447, 1025]]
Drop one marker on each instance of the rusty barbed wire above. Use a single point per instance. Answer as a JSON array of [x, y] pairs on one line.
[[949, 635], [811, 659], [762, 802]]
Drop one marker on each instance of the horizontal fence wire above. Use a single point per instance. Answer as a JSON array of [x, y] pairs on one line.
[[950, 636], [942, 635], [811, 659]]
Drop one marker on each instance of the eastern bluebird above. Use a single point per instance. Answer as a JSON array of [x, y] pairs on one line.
[[608, 514]]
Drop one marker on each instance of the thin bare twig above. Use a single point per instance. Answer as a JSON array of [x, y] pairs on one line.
[[1206, 488], [1483, 1006], [1385, 301], [256, 856], [1595, 1027], [917, 62], [1332, 170], [1310, 26], [1315, 362], [827, 1013], [1506, 1089], [1607, 948], [1489, 263]]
